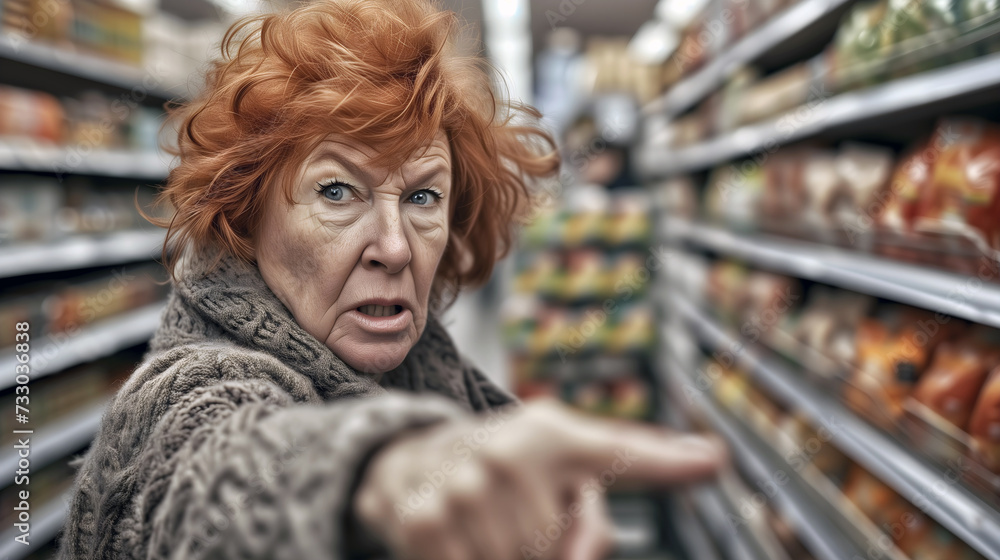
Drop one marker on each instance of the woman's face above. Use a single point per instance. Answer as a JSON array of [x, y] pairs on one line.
[[354, 257]]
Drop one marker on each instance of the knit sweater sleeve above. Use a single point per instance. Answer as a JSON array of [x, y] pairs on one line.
[[242, 466], [266, 481]]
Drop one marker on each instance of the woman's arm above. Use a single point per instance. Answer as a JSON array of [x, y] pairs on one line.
[[262, 480]]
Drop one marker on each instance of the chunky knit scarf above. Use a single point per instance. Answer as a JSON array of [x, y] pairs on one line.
[[241, 435]]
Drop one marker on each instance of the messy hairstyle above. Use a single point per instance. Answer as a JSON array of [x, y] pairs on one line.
[[384, 72]]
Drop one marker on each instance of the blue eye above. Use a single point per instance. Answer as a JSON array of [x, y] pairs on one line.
[[332, 191], [424, 197]]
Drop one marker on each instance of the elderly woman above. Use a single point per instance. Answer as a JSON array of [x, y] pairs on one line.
[[340, 178]]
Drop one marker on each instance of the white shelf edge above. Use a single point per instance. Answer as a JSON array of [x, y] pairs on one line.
[[81, 65], [22, 155], [709, 501], [765, 38], [902, 94], [80, 251], [97, 341], [45, 526], [694, 536], [823, 540], [56, 440], [954, 507], [939, 291]]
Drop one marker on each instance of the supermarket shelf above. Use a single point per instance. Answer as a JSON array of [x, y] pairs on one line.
[[80, 251], [758, 42], [953, 506], [864, 105], [102, 339], [817, 532], [63, 160], [693, 535], [710, 502], [944, 292], [81, 65], [56, 441], [45, 526]]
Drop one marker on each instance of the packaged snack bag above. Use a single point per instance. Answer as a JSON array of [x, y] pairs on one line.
[[984, 425]]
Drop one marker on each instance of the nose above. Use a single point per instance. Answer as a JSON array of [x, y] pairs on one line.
[[388, 247]]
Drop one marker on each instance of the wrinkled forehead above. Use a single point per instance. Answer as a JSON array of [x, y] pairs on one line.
[[435, 152]]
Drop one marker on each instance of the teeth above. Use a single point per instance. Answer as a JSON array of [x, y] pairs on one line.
[[380, 310]]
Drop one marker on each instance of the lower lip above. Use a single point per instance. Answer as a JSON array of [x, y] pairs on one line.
[[383, 325]]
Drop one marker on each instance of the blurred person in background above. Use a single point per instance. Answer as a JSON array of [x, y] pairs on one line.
[[342, 176]]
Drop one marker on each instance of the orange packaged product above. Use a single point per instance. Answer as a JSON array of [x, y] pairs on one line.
[[984, 426], [911, 195], [888, 365], [951, 384], [869, 494], [867, 380]]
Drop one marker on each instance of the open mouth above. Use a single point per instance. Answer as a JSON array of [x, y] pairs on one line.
[[380, 310]]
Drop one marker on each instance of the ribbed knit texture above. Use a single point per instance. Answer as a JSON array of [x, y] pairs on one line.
[[242, 436]]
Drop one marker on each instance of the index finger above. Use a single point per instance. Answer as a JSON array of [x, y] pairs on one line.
[[640, 452]]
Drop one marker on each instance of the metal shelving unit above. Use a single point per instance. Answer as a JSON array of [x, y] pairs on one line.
[[70, 160], [865, 105], [711, 504], [61, 70], [967, 84], [101, 339], [79, 252], [817, 532], [953, 506], [82, 65], [690, 530], [945, 292], [56, 440], [767, 37]]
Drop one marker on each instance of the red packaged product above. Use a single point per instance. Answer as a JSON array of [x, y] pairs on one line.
[[910, 194], [951, 384], [984, 427], [966, 191]]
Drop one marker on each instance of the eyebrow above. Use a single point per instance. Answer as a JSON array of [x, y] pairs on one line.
[[352, 168], [434, 169]]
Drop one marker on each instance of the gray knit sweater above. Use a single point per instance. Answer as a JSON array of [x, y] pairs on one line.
[[242, 436]]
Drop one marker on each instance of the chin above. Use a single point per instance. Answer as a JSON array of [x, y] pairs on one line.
[[373, 358]]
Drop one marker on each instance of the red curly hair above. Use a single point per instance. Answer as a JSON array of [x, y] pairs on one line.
[[385, 73]]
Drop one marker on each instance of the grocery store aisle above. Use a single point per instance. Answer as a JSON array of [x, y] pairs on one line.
[[777, 221], [827, 173]]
